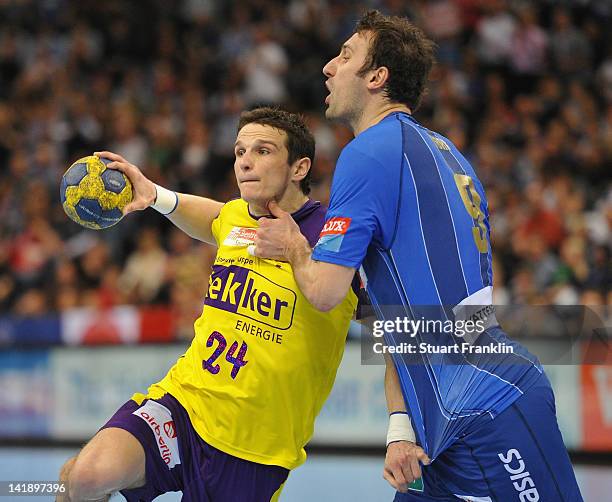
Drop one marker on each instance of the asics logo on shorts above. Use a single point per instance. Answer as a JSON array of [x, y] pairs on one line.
[[522, 482], [154, 414]]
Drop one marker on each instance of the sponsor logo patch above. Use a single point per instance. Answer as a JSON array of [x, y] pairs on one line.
[[336, 226], [249, 294], [240, 236], [332, 234], [154, 414], [169, 429]]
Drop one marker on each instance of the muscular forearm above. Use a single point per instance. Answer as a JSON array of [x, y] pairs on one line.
[[323, 288], [393, 391], [194, 216], [400, 426]]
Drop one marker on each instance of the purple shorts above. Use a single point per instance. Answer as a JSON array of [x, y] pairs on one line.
[[178, 459]]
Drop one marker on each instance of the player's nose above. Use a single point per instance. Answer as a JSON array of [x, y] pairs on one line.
[[245, 162], [330, 68]]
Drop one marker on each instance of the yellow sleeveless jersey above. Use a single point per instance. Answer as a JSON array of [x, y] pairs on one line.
[[263, 360]]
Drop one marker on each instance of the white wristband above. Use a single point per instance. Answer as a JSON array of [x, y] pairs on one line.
[[165, 201], [400, 428]]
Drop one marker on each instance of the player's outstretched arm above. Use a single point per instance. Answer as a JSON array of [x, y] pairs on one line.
[[402, 462], [192, 214], [323, 284]]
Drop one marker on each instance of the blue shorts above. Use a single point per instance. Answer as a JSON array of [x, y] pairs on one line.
[[519, 455], [178, 459]]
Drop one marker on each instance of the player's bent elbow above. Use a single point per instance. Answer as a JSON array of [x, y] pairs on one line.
[[199, 236], [325, 302], [326, 286], [323, 306]]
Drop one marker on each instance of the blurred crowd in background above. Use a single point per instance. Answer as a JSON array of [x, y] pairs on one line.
[[523, 88]]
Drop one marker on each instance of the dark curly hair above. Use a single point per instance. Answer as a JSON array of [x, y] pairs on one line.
[[300, 141], [404, 49]]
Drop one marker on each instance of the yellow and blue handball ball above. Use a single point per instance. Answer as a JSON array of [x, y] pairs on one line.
[[93, 195]]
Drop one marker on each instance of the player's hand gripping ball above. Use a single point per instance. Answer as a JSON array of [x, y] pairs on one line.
[[93, 195]]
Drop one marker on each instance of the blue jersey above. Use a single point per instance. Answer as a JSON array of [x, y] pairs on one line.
[[408, 207]]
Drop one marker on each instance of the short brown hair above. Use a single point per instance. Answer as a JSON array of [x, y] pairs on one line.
[[300, 141], [404, 49]]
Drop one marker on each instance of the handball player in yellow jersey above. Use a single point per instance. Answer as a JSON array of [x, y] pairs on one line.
[[231, 417]]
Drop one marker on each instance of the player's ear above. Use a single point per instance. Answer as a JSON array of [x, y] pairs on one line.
[[300, 169], [378, 78]]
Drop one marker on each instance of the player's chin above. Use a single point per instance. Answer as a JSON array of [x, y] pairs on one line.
[[249, 193], [254, 198], [331, 113]]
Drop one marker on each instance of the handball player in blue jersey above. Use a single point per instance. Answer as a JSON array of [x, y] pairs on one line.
[[408, 209]]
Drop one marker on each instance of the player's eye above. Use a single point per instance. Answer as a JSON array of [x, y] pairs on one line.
[[264, 151], [239, 152]]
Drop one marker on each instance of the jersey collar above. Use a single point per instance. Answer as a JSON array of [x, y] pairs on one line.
[[308, 208]]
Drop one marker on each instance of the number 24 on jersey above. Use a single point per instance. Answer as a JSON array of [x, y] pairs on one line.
[[237, 361]]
